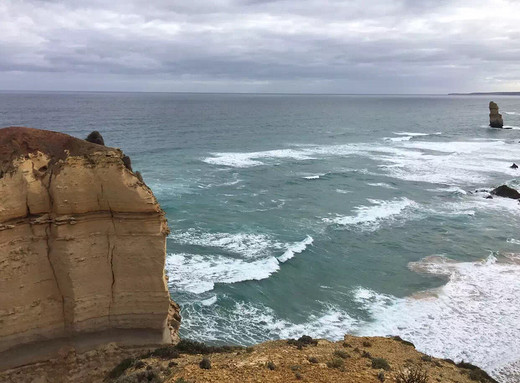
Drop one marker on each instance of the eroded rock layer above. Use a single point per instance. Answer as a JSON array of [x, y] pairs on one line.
[[82, 249]]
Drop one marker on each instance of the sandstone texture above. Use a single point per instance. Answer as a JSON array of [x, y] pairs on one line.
[[82, 250], [495, 118]]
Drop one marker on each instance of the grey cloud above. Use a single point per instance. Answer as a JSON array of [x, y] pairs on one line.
[[397, 46]]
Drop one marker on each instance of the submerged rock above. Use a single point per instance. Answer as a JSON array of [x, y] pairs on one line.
[[96, 138], [495, 118], [506, 191], [82, 250]]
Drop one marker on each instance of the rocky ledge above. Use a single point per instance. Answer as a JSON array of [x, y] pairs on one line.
[[355, 359], [82, 250]]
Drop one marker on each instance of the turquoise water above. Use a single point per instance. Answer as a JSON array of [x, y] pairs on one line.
[[324, 214]]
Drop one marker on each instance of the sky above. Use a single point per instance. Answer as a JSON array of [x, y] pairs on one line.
[[287, 46]]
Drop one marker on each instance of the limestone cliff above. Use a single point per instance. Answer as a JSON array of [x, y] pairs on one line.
[[495, 118], [82, 250]]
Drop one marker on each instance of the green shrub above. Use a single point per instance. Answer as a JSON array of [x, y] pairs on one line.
[[205, 364], [413, 375], [380, 363], [168, 352], [303, 341], [312, 359], [147, 376], [366, 343], [336, 363], [399, 339], [341, 354], [381, 376], [476, 373], [426, 358], [481, 376], [270, 365], [120, 369], [191, 347]]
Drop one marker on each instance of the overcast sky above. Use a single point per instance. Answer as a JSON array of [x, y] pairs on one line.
[[318, 46]]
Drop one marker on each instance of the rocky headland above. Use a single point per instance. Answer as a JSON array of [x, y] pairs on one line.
[[82, 251], [83, 294]]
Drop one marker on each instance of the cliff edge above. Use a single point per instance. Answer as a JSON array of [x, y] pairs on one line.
[[82, 250]]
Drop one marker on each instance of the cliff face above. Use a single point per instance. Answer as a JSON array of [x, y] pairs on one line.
[[82, 250]]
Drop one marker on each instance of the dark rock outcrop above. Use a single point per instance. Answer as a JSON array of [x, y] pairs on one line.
[[506, 191], [96, 138], [514, 166], [495, 118], [127, 162]]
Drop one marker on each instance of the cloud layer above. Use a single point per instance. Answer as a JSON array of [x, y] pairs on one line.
[[377, 46]]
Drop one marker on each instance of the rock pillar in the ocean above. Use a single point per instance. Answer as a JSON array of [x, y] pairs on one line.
[[495, 118], [82, 250]]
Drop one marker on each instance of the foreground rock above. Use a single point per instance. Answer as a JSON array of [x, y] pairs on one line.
[[495, 118], [82, 251], [506, 191], [356, 359]]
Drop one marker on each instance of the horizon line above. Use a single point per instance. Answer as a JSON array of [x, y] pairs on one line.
[[498, 93]]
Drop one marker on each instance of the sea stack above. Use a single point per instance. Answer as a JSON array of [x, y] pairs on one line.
[[495, 118], [82, 250]]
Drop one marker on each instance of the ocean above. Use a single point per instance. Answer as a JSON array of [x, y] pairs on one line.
[[324, 214]]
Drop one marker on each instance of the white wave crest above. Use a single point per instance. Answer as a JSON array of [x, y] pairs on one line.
[[450, 189], [296, 248], [407, 136], [255, 259], [370, 217], [314, 177], [381, 184], [199, 273], [246, 244], [245, 160]]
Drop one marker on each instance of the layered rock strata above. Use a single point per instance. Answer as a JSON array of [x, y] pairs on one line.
[[82, 250], [495, 118]]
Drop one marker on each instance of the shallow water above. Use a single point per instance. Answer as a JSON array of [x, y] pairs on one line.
[[320, 214]]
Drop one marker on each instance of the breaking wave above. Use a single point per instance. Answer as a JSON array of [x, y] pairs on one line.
[[370, 218], [253, 257]]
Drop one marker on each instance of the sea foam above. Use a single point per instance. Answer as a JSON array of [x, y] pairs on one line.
[[479, 298], [437, 162], [250, 323], [370, 217]]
